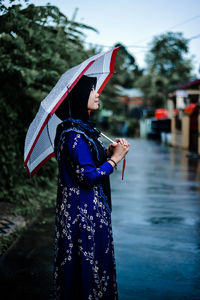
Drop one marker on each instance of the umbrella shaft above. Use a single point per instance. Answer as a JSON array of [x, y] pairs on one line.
[[106, 137]]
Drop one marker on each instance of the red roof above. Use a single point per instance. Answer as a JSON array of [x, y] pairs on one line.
[[137, 100], [188, 84]]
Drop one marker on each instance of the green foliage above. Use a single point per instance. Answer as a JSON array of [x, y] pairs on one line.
[[155, 88], [126, 68], [167, 67], [7, 240], [38, 44], [31, 199], [119, 124]]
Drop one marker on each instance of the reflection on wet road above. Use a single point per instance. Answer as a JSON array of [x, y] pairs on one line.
[[156, 223]]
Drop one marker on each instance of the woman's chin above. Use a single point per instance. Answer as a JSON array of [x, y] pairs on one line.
[[94, 107]]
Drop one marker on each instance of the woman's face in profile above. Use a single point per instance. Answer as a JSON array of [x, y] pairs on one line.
[[93, 100]]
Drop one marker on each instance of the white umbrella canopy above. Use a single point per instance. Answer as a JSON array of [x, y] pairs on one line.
[[41, 133]]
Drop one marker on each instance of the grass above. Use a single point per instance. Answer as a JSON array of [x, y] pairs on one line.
[[31, 201], [7, 240]]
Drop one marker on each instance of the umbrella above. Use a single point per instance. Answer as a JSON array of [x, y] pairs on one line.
[[38, 144]]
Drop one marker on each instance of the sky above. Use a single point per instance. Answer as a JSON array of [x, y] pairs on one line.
[[134, 22]]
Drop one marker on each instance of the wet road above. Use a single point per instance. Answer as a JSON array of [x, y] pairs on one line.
[[156, 224], [156, 228]]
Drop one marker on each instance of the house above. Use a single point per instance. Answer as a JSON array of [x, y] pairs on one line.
[[132, 99], [186, 94], [185, 123]]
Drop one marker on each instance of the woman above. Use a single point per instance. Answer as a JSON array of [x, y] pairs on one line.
[[84, 253]]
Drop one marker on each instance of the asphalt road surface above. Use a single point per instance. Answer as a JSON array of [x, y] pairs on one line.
[[156, 228]]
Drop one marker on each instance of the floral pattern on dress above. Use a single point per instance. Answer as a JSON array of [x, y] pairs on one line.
[[84, 251]]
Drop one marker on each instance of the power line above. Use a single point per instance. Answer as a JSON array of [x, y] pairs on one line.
[[106, 46], [134, 46], [184, 22], [194, 37], [174, 26], [143, 48], [146, 47]]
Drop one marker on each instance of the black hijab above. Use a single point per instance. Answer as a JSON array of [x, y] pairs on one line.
[[75, 104]]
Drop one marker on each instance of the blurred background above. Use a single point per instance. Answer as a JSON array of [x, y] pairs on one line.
[[153, 99]]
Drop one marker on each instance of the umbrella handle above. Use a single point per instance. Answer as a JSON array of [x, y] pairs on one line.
[[123, 167], [124, 160]]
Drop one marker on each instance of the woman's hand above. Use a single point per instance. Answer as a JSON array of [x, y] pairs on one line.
[[119, 149], [111, 147]]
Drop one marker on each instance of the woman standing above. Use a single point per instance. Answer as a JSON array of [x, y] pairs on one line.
[[84, 253]]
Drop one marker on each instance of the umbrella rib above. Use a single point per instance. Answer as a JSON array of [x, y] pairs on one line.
[[49, 134], [101, 73]]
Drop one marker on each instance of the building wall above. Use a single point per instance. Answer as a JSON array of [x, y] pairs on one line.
[[199, 134], [180, 137]]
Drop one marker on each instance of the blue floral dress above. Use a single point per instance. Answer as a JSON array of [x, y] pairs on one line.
[[84, 253]]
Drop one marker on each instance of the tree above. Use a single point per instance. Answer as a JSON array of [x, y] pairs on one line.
[[167, 67], [38, 44], [127, 71], [126, 74]]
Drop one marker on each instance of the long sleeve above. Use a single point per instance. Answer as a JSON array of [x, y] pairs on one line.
[[82, 161]]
